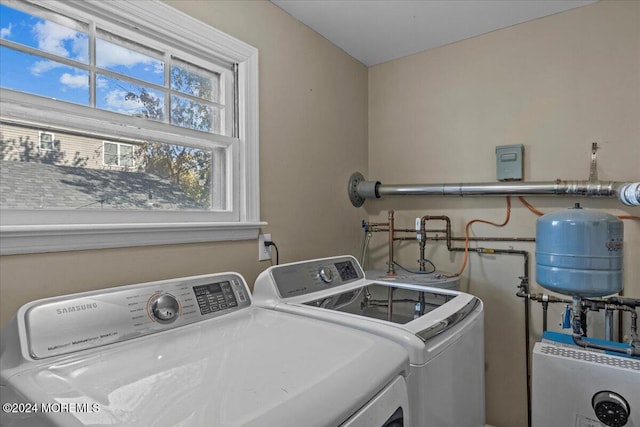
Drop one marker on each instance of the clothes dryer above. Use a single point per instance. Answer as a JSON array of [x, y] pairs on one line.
[[193, 352], [442, 329]]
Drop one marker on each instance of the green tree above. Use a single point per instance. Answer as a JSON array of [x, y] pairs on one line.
[[188, 168]]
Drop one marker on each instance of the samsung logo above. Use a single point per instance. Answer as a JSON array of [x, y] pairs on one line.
[[76, 308]]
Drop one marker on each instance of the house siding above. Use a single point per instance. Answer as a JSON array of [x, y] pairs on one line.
[[19, 143]]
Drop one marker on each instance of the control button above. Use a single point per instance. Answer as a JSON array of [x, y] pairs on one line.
[[164, 308], [325, 274]]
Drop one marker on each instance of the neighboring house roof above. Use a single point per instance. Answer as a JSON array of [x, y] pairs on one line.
[[40, 185]]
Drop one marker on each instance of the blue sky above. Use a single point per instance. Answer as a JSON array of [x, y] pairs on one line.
[[41, 76]]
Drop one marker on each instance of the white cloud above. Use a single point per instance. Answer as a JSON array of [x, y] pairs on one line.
[[80, 48], [111, 55], [77, 81], [52, 37], [40, 67], [6, 32], [101, 82], [116, 101]]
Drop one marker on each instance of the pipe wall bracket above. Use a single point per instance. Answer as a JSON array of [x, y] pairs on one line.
[[360, 190]]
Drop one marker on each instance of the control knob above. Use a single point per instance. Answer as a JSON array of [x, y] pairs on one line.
[[325, 274], [611, 408], [164, 308]]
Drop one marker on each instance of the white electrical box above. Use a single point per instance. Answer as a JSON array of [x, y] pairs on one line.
[[509, 162]]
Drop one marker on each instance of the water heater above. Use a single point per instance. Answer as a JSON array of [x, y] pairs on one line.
[[579, 252]]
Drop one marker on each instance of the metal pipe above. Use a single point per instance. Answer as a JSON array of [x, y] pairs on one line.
[[581, 342], [630, 302], [377, 224], [471, 239], [365, 246], [524, 292], [527, 340], [584, 188], [423, 234], [608, 324], [488, 239], [580, 331], [634, 328], [628, 193], [405, 230], [391, 270], [446, 219], [542, 297]]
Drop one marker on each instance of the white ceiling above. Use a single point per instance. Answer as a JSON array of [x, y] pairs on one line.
[[376, 31]]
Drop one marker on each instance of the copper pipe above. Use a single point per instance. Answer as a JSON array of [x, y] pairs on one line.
[[376, 224], [472, 239], [423, 235], [423, 227], [489, 239], [423, 239]]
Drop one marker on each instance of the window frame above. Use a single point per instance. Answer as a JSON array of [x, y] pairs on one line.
[[32, 231], [53, 141], [119, 146]]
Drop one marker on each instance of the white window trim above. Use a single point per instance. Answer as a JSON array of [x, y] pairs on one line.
[[119, 146], [33, 231], [53, 141]]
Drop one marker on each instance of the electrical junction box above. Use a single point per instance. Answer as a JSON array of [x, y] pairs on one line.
[[509, 162]]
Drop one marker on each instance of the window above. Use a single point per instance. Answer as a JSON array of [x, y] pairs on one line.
[[155, 123], [114, 154], [47, 141]]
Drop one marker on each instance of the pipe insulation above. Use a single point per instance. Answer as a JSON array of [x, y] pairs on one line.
[[627, 192]]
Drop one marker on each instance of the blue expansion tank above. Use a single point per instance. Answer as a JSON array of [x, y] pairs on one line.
[[579, 252]]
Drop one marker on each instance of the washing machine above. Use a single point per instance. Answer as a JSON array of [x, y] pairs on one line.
[[193, 352], [442, 329]]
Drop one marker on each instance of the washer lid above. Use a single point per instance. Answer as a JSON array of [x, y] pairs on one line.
[[425, 320], [254, 367]]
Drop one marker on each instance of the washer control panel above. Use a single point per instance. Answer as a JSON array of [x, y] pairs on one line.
[[317, 275], [214, 297], [67, 324]]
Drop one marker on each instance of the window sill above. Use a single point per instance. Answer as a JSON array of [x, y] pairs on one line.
[[25, 239]]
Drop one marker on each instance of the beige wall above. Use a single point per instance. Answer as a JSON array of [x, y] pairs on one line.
[[555, 85], [313, 135]]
